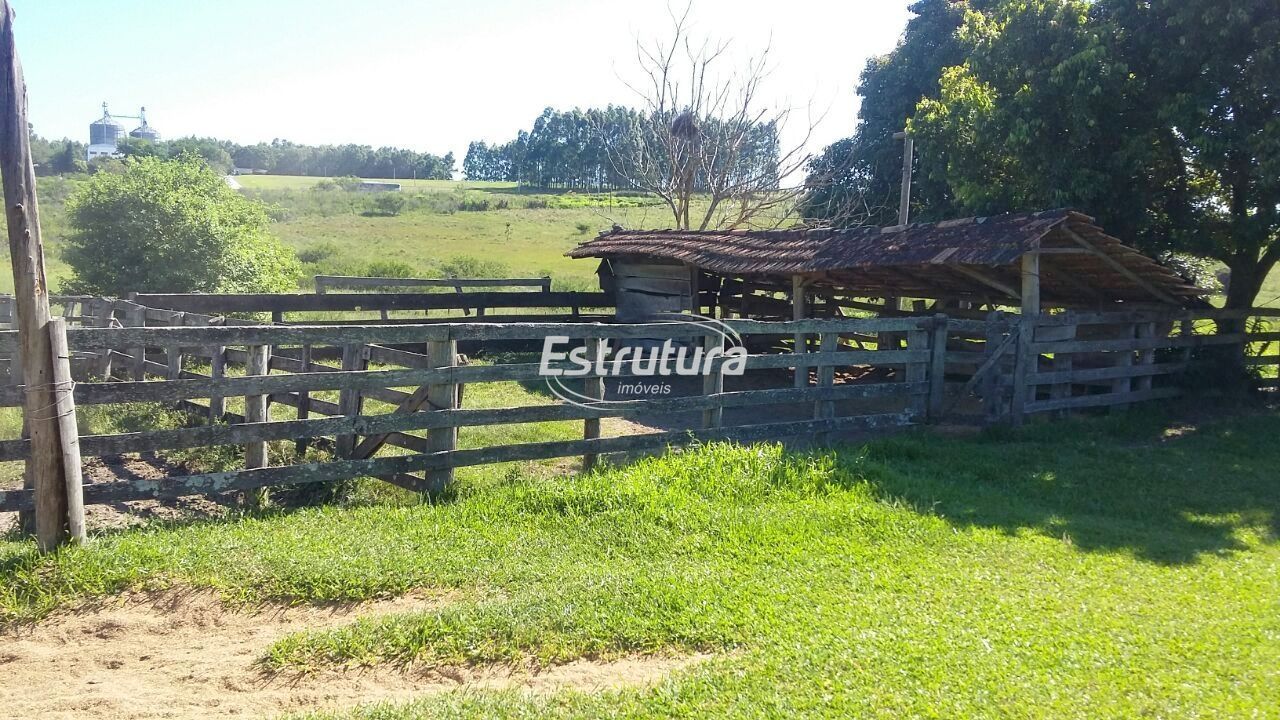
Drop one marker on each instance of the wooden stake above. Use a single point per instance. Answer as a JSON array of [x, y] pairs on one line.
[[68, 431], [44, 471]]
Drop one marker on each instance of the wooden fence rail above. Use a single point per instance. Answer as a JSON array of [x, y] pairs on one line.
[[325, 283]]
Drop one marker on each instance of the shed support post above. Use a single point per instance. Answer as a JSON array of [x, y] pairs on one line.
[[1027, 360], [443, 441], [592, 387]]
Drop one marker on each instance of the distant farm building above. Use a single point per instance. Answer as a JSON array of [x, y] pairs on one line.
[[378, 186]]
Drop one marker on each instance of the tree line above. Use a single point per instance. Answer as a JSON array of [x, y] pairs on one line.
[[1159, 118], [278, 157], [599, 150]]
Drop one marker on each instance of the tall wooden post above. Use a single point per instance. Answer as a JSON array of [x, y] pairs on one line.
[[1028, 360], [908, 156], [44, 471]]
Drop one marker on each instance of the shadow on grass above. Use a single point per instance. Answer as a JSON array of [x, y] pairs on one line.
[[1169, 491]]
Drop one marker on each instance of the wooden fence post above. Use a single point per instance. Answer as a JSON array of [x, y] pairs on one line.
[[592, 387], [173, 355], [137, 317], [1062, 361], [1146, 331], [799, 311], [304, 400], [256, 410], [829, 344], [990, 387], [351, 400], [443, 396], [938, 368], [106, 315], [1124, 385], [1024, 366], [69, 433], [713, 381], [44, 466], [918, 372]]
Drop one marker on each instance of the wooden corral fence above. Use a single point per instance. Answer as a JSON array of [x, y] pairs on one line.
[[1077, 360], [816, 376], [277, 372]]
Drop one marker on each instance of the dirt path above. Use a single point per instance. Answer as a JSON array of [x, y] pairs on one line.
[[185, 655]]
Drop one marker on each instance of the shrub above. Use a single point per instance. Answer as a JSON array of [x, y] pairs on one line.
[[346, 182], [171, 226], [583, 228], [389, 204], [390, 269], [464, 266], [318, 253]]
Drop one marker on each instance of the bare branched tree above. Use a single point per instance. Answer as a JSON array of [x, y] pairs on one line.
[[703, 142]]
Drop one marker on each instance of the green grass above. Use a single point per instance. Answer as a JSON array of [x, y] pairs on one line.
[[512, 231], [1103, 568]]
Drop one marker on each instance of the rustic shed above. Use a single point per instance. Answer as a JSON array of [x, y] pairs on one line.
[[1052, 259]]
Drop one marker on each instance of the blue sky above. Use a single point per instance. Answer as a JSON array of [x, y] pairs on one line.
[[421, 74]]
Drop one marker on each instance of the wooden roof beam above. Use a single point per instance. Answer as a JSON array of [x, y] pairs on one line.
[[987, 280], [1121, 268]]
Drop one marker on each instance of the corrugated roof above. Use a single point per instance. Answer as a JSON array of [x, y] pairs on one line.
[[923, 260]]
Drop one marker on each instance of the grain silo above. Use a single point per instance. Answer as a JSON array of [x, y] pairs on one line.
[[104, 135], [145, 131]]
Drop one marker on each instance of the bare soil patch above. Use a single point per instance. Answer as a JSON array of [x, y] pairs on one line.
[[184, 654]]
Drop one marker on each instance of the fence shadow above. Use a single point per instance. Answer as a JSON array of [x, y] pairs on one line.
[[1169, 491]]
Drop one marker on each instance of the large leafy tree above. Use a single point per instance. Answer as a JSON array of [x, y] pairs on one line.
[[1161, 117], [171, 226]]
